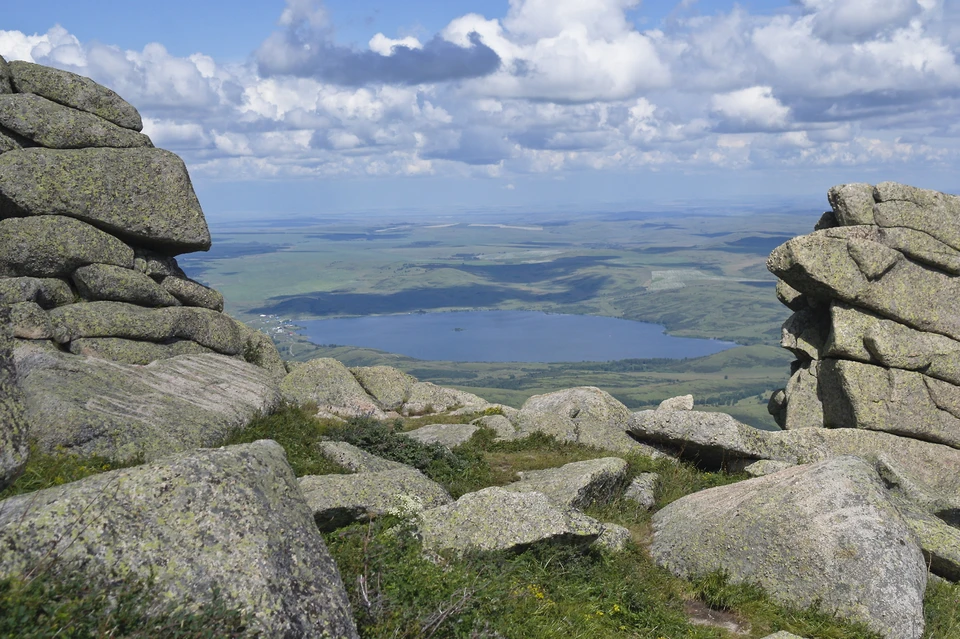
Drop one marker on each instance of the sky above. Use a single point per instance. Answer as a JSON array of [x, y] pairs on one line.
[[305, 107]]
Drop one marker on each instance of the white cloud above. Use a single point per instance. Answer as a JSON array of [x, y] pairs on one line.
[[752, 107], [384, 45]]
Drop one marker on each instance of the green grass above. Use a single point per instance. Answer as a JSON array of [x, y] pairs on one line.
[[45, 470]]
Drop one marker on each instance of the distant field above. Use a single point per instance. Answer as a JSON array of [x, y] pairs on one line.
[[699, 275]]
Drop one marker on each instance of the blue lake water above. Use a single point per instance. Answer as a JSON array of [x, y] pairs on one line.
[[508, 336]]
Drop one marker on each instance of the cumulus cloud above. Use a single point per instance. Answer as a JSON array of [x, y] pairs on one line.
[[847, 20], [752, 108]]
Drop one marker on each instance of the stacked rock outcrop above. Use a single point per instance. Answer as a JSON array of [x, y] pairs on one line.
[[876, 327]]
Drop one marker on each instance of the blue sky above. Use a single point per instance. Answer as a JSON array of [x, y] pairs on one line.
[[304, 107]]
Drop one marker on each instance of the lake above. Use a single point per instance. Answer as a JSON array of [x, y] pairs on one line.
[[508, 336]]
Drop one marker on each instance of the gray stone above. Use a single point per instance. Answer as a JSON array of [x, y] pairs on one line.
[[766, 467], [804, 407], [614, 538], [857, 395], [191, 293], [328, 384], [14, 450], [848, 547], [449, 435], [791, 297], [805, 333], [6, 84], [47, 292], [356, 459], [499, 424], [232, 518], [74, 91], [683, 402], [339, 500], [777, 406], [841, 264], [208, 328], [577, 485], [156, 265], [116, 284], [259, 349], [92, 406], [940, 543], [55, 126], [29, 321], [713, 440], [931, 212], [586, 415], [55, 246], [10, 141], [128, 351], [852, 203], [783, 634], [499, 519], [426, 399], [142, 195], [390, 387], [643, 490]]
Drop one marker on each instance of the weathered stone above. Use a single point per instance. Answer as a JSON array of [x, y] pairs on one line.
[[329, 384], [926, 474], [940, 543], [904, 403], [55, 126], [777, 406], [258, 348], [846, 267], [118, 319], [14, 450], [783, 634], [6, 84], [766, 467], [116, 284], [356, 459], [47, 292], [340, 500], [577, 485], [74, 91], [499, 424], [499, 519], [791, 297], [449, 435], [643, 490], [156, 265], [931, 212], [29, 321], [852, 203], [10, 141], [827, 221], [426, 398], [614, 538], [921, 247], [848, 548], [683, 402], [193, 293], [128, 351], [865, 337], [143, 195], [229, 518], [390, 387], [93, 406], [586, 415], [805, 333], [55, 246], [804, 408]]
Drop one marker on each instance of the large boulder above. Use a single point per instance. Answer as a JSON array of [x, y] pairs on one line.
[[113, 283], [389, 386], [329, 384], [143, 195], [804, 406], [449, 435], [356, 459], [92, 406], [259, 349], [55, 126], [74, 91], [6, 84], [586, 415], [499, 519], [578, 484], [55, 246], [426, 398], [192, 293], [13, 425], [47, 292], [232, 519], [822, 533], [339, 500]]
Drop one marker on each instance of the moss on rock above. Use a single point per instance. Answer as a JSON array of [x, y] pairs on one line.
[[55, 246], [191, 293], [47, 292], [128, 351], [55, 126], [112, 283], [13, 424]]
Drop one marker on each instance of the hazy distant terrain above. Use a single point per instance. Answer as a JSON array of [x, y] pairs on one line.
[[700, 275]]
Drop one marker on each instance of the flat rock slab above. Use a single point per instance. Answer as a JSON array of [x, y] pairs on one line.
[[330, 385], [191, 293], [142, 195], [356, 459], [498, 519], [340, 500], [14, 450], [97, 407], [426, 398], [449, 435], [825, 532], [113, 283], [74, 91], [578, 484], [232, 518], [128, 351], [586, 415], [55, 126], [54, 246]]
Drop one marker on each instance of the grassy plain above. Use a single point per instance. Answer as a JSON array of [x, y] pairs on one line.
[[698, 274]]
